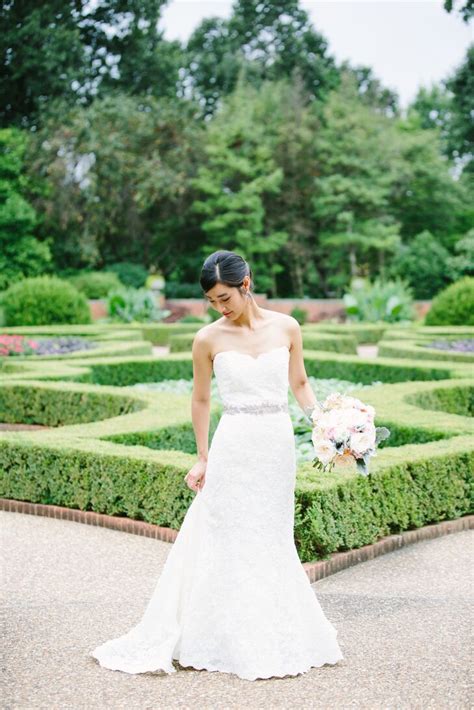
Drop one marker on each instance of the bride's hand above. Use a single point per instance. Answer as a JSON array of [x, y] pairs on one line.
[[196, 476]]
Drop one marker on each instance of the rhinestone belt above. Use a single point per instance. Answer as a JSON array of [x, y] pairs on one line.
[[258, 408]]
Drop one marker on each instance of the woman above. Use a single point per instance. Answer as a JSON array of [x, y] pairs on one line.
[[233, 595]]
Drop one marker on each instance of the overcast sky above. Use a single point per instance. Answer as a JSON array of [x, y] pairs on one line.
[[407, 43]]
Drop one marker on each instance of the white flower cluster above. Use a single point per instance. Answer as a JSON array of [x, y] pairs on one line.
[[343, 426]]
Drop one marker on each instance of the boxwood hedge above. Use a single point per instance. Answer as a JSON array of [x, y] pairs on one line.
[[113, 449]]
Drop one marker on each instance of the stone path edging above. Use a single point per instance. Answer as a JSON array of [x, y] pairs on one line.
[[315, 570]]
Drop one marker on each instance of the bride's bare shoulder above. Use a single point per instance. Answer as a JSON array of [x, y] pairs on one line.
[[283, 320], [205, 339]]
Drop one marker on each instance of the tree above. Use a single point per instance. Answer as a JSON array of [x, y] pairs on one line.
[[268, 39], [449, 107], [461, 84], [76, 50], [462, 263], [424, 193], [233, 183], [432, 109], [118, 174], [422, 263], [465, 9], [21, 253], [371, 90], [352, 189]]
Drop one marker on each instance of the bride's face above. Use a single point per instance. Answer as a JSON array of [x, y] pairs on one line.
[[227, 300]]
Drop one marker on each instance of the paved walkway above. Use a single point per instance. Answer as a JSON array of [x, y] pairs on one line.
[[403, 621]]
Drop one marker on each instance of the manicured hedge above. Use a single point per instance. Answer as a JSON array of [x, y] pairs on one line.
[[123, 371], [410, 487], [159, 334], [139, 483], [320, 341], [57, 404], [82, 466], [330, 343], [448, 332], [134, 461], [421, 484], [455, 400], [128, 371], [364, 333], [368, 370]]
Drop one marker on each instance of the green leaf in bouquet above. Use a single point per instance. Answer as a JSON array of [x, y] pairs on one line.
[[362, 465], [381, 433]]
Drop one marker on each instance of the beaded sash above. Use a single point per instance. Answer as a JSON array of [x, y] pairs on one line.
[[257, 408]]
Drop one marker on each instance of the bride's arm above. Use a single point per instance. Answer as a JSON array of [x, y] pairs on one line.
[[298, 379], [201, 395]]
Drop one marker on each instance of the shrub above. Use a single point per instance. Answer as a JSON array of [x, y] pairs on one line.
[[129, 274], [300, 314], [130, 304], [454, 305], [462, 264], [22, 255], [44, 300], [95, 284], [190, 318], [213, 315], [389, 301], [178, 289], [422, 263]]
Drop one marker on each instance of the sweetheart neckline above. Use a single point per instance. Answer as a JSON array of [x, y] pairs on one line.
[[265, 352]]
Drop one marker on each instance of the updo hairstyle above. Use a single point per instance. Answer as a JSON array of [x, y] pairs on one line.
[[227, 268]]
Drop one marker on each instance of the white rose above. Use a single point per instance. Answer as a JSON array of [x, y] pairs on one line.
[[358, 418], [361, 441], [334, 400], [324, 450]]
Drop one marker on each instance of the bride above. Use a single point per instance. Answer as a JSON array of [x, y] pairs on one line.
[[233, 596]]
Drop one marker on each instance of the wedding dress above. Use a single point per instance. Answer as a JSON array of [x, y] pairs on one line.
[[233, 595]]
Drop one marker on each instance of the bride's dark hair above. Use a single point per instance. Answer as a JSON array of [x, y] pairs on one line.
[[225, 267]]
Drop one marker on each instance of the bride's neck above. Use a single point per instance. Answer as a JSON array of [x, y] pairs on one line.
[[251, 317]]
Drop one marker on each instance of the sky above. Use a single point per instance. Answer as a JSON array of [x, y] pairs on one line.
[[408, 43]]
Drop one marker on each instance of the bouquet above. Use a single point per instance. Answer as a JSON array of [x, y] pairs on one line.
[[344, 431]]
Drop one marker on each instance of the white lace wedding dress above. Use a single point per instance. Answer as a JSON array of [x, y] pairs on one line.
[[233, 595]]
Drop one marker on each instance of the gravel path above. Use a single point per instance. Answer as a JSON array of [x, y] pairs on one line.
[[403, 619]]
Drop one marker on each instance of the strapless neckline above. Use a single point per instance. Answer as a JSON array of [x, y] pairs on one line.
[[239, 352]]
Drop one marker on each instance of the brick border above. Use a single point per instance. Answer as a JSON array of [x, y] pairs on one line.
[[315, 570]]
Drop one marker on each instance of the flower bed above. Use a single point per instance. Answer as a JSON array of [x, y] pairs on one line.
[[461, 346], [68, 346], [423, 349], [16, 345]]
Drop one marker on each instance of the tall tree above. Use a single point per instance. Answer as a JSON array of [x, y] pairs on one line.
[[371, 90], [449, 108], [118, 173], [465, 8], [76, 50], [267, 38], [461, 136], [21, 253], [351, 192], [234, 182]]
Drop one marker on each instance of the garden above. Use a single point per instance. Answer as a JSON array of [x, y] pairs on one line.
[[354, 212], [96, 416]]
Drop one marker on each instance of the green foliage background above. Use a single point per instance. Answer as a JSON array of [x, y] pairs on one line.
[[122, 147]]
